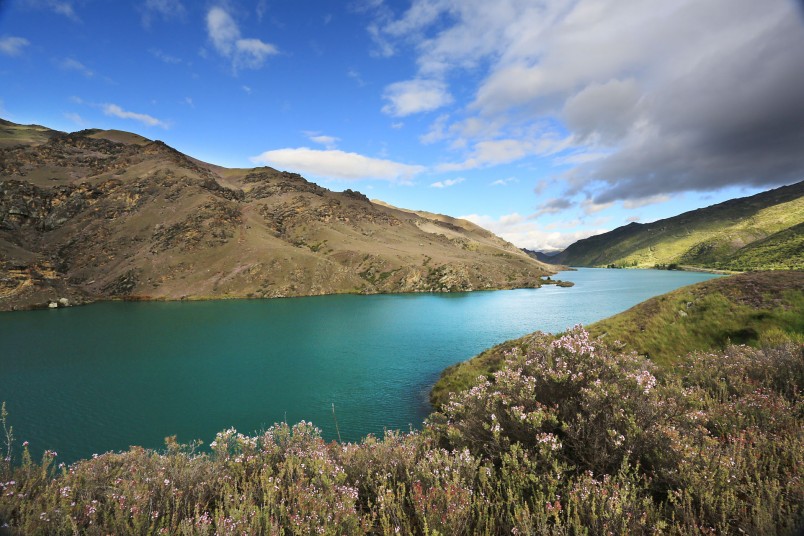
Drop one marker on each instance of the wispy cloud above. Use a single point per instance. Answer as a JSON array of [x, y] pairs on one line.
[[114, 110], [165, 9], [329, 142], [335, 164], [76, 118], [447, 183], [502, 151], [71, 64], [165, 57], [12, 46], [504, 182], [415, 96], [354, 74], [60, 7], [244, 53]]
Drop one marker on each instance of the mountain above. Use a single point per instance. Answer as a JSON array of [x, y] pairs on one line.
[[541, 256], [101, 214], [760, 232]]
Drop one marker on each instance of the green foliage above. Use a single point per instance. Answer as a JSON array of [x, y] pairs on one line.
[[746, 308], [760, 232], [569, 436], [710, 315]]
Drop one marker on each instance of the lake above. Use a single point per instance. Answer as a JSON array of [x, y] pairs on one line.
[[90, 379]]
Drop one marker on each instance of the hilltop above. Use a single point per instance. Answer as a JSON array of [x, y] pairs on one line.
[[106, 214], [760, 232]]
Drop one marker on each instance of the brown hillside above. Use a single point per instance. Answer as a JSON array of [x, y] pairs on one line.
[[109, 214]]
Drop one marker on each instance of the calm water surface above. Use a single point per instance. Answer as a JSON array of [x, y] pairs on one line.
[[106, 376]]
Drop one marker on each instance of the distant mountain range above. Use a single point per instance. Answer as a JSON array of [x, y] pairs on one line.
[[761, 232], [102, 214]]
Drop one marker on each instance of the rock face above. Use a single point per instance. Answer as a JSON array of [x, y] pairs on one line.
[[106, 214]]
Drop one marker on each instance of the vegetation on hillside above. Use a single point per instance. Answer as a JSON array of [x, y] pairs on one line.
[[101, 214], [760, 232], [570, 436], [741, 309], [747, 308]]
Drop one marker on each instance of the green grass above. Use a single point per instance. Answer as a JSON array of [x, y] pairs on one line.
[[780, 251], [740, 309], [708, 316], [720, 236]]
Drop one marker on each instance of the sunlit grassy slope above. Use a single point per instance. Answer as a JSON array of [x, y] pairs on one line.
[[761, 232], [745, 308]]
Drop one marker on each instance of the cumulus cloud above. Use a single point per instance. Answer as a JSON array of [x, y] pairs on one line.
[[12, 46], [525, 233], [415, 96], [447, 183], [336, 164], [657, 99], [116, 111], [248, 53], [504, 182]]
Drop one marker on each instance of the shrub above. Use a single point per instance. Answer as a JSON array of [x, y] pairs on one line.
[[570, 436]]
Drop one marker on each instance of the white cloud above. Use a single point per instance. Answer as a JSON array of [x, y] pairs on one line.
[[71, 64], [493, 152], [329, 142], [12, 46], [415, 96], [447, 183], [116, 111], [504, 182], [437, 130], [525, 233], [336, 164], [248, 53], [653, 98]]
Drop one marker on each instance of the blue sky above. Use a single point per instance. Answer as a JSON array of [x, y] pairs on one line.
[[543, 120]]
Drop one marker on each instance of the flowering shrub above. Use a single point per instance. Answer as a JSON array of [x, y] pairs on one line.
[[570, 436]]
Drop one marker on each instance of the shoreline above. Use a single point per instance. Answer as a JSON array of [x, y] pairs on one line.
[[87, 300]]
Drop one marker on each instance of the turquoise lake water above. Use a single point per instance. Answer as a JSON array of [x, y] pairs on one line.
[[102, 377]]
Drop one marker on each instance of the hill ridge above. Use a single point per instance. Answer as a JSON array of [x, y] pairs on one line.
[[710, 237], [111, 215]]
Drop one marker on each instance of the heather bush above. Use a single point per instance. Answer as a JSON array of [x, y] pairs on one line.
[[570, 436]]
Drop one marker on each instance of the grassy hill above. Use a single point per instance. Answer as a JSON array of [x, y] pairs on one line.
[[760, 232], [743, 309], [102, 214]]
